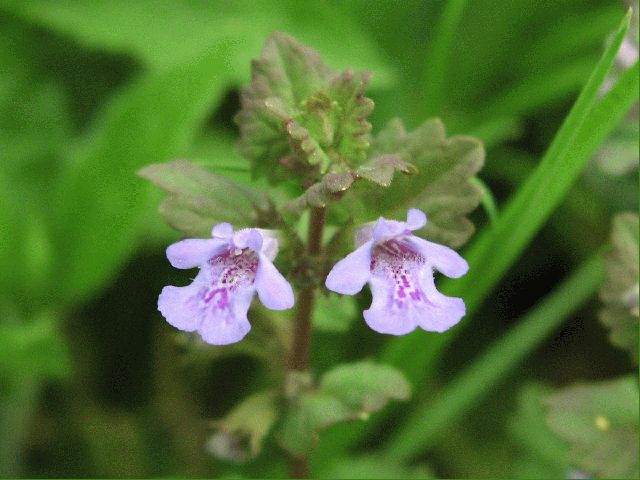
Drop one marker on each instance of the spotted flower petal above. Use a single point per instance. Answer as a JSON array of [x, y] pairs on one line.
[[399, 268], [233, 265]]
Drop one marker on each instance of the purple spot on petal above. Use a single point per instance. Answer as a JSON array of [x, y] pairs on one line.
[[227, 273], [397, 262]]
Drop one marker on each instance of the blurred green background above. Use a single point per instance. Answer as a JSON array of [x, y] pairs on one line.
[[92, 380]]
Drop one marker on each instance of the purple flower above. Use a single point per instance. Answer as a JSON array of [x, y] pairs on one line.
[[399, 268], [232, 267]]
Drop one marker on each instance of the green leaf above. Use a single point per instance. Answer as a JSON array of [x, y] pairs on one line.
[[239, 435], [284, 76], [310, 413], [99, 199], [320, 194], [335, 313], [619, 293], [33, 350], [442, 186], [381, 169], [365, 386], [181, 31], [198, 199], [542, 453], [337, 117], [348, 392], [35, 127], [298, 114], [600, 421]]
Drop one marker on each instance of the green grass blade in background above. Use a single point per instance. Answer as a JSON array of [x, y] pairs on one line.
[[100, 197], [491, 255], [496, 249], [428, 420], [437, 58]]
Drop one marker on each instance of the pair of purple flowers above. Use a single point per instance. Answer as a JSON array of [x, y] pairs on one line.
[[234, 265]]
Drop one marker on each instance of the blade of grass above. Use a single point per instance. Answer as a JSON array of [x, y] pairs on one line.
[[437, 60], [494, 251], [428, 420], [497, 248]]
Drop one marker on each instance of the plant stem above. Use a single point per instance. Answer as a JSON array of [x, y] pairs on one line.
[[301, 347], [302, 331], [298, 467], [306, 300]]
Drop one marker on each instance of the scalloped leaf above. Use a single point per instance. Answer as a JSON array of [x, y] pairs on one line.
[[313, 411], [284, 76], [381, 169], [347, 392], [619, 293], [365, 386], [600, 421], [297, 113], [441, 187], [199, 199]]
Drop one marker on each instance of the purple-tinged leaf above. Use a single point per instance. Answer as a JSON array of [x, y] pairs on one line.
[[298, 114], [198, 199], [442, 186], [381, 169]]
